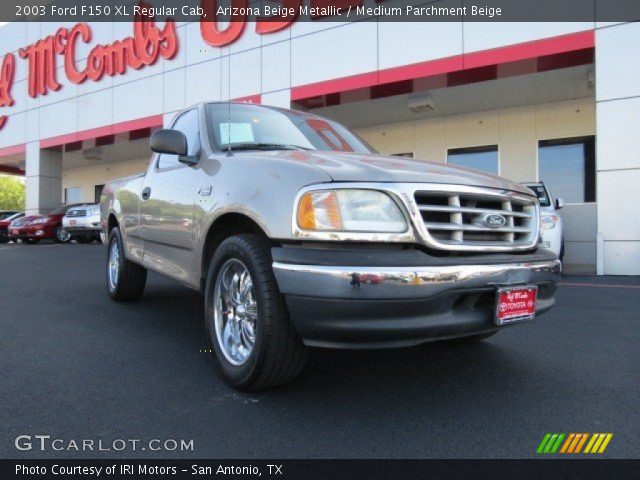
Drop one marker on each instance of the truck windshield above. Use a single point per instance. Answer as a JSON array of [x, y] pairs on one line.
[[237, 126]]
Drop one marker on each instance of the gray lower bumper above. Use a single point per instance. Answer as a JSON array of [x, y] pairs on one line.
[[390, 306]]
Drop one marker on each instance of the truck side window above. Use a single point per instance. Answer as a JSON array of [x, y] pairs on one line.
[[186, 123]]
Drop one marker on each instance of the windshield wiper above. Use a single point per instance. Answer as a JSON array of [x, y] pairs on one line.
[[261, 146]]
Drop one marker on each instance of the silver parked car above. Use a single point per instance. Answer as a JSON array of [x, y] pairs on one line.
[[299, 234], [83, 223]]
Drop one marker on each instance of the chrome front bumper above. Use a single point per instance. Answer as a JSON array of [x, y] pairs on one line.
[[393, 283], [373, 307]]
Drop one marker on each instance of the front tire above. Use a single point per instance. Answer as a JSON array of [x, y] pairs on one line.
[[255, 345], [125, 280], [60, 235]]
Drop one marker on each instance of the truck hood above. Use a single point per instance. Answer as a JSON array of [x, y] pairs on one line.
[[357, 167]]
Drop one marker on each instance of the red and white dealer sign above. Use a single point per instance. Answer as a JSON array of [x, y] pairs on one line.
[[516, 304]]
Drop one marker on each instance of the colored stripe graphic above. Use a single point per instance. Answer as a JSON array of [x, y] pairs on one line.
[[567, 442], [573, 443], [543, 443], [550, 443], [605, 444], [581, 442], [598, 443]]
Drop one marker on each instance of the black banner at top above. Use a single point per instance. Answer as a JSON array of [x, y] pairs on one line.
[[321, 10]]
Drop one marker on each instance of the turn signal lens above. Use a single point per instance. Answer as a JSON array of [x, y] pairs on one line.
[[319, 211], [306, 218]]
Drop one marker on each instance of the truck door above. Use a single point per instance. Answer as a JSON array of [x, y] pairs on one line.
[[167, 206]]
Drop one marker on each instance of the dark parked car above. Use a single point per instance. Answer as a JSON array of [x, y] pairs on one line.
[[5, 219], [33, 228]]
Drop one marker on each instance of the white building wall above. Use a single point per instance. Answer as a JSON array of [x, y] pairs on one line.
[[618, 161]]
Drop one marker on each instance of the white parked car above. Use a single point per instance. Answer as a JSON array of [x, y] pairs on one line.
[[83, 223], [550, 220]]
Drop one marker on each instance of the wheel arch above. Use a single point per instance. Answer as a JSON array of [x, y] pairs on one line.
[[223, 227]]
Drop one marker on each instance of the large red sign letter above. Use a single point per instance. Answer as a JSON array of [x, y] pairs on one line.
[[7, 73], [83, 31], [42, 64], [209, 29]]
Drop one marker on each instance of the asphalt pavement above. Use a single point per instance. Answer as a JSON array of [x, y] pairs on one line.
[[75, 365]]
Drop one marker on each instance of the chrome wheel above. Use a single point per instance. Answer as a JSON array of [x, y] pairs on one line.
[[114, 265], [235, 311], [62, 235]]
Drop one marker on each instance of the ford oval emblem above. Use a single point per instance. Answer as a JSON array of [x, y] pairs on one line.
[[494, 220]]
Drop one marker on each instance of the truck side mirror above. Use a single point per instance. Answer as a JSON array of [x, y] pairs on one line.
[[171, 142], [559, 203]]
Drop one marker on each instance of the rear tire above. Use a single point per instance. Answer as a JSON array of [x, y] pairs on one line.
[[471, 338], [253, 350], [125, 280]]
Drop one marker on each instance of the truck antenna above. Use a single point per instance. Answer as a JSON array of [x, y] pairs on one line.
[[229, 152]]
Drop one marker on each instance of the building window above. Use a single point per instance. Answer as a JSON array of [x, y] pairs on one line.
[[568, 168], [98, 192], [481, 158], [72, 195]]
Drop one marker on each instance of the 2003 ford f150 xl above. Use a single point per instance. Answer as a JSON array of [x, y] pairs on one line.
[[299, 234]]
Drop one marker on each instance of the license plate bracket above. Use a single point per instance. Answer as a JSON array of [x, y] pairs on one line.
[[515, 304]]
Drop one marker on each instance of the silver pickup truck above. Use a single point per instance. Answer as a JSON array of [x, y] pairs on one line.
[[299, 234]]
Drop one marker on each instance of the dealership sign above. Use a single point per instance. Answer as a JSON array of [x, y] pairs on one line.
[[144, 47]]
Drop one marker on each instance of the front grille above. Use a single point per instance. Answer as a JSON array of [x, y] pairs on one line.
[[76, 213], [483, 218]]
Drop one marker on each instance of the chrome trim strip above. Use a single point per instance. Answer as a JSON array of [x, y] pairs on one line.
[[453, 209]]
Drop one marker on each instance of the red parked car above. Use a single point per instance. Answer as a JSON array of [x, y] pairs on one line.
[[33, 228], [6, 218]]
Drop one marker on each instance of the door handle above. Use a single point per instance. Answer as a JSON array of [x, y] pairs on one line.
[[146, 193]]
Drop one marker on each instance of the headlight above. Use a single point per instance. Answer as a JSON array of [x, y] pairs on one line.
[[547, 222], [39, 221], [350, 211], [92, 212]]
